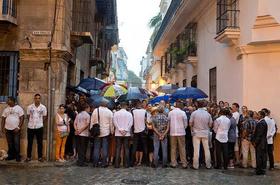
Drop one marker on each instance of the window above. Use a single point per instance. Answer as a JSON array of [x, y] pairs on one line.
[[213, 84], [9, 8], [194, 81], [227, 15], [8, 75], [185, 83]]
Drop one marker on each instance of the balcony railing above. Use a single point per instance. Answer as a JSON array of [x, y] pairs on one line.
[[168, 16], [227, 15]]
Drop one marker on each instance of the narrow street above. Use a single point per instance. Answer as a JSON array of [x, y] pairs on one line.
[[139, 175]]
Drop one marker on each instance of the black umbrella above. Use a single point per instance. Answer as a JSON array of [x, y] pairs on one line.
[[97, 100], [167, 89], [91, 84], [136, 93]]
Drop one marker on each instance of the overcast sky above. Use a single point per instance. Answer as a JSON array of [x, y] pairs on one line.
[[133, 17]]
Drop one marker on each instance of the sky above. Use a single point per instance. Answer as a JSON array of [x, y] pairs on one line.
[[134, 32]]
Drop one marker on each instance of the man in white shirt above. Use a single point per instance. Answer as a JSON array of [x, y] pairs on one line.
[[178, 123], [271, 130], [201, 122], [123, 122], [36, 115], [104, 117], [236, 115], [139, 116], [81, 125], [221, 128], [12, 120]]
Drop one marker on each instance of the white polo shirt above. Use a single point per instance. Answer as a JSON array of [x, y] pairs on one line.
[[12, 115], [221, 127], [36, 115]]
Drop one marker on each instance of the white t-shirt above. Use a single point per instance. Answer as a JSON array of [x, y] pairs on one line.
[[36, 115], [12, 115], [221, 127], [139, 117], [236, 116]]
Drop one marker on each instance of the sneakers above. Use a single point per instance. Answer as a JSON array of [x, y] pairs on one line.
[[60, 160], [27, 160]]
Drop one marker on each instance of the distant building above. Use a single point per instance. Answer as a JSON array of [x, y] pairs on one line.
[[119, 65]]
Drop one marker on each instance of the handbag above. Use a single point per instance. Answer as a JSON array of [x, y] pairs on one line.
[[63, 134], [95, 129]]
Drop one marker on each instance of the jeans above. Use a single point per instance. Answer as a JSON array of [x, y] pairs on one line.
[[221, 149], [180, 140], [60, 146], [98, 141], [13, 140], [136, 138], [82, 144], [270, 155], [39, 137], [119, 142], [196, 148], [157, 144], [246, 146]]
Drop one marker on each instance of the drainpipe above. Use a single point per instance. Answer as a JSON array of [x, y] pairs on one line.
[[51, 90]]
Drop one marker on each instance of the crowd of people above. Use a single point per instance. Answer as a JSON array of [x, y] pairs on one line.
[[188, 133]]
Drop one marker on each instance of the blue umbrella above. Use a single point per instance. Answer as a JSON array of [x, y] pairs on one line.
[[159, 98], [168, 88], [97, 100], [188, 92], [91, 84], [136, 93]]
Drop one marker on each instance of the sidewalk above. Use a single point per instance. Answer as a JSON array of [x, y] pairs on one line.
[[35, 164]]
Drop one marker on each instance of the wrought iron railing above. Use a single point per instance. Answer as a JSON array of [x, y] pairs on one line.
[[227, 15], [168, 16]]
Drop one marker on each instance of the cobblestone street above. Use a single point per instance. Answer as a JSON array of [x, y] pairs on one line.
[[141, 175]]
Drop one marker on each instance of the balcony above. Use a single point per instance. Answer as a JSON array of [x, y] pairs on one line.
[[228, 31], [175, 4], [80, 38], [8, 12]]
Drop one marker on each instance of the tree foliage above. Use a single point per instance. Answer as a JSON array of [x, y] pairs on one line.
[[133, 80]]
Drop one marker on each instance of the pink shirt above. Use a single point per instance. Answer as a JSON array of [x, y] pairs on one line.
[[82, 120]]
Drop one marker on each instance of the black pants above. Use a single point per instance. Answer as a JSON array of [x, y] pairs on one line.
[[270, 155], [137, 137], [231, 150], [39, 137], [189, 145], [261, 159], [119, 142], [221, 149], [13, 140], [82, 144], [69, 146]]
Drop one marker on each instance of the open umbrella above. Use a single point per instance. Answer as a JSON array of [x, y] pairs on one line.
[[188, 92], [167, 89], [113, 90], [136, 93], [97, 100], [91, 83], [160, 98]]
